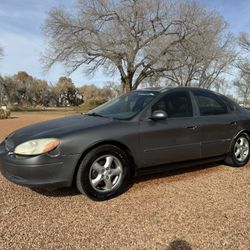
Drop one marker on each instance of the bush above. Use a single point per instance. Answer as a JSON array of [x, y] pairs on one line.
[[90, 104], [4, 114]]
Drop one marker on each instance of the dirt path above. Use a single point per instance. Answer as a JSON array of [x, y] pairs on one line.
[[204, 208]]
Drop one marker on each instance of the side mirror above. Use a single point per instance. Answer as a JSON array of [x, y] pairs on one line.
[[158, 115]]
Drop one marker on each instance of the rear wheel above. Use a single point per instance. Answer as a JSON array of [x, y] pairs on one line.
[[103, 173], [240, 151]]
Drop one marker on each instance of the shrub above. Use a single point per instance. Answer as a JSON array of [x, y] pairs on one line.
[[90, 104], [4, 114]]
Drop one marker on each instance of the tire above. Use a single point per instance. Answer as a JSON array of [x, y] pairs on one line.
[[240, 151], [103, 173]]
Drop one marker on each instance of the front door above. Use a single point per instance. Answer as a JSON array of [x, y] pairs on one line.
[[172, 140]]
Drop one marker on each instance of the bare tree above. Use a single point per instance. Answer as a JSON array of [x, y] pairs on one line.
[[243, 86], [243, 61], [205, 56], [223, 86], [9, 90], [23, 89], [111, 90], [244, 41], [24, 83], [40, 89], [66, 92], [242, 82], [17, 88], [137, 38], [89, 91]]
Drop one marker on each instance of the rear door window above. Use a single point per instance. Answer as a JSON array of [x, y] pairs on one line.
[[210, 104]]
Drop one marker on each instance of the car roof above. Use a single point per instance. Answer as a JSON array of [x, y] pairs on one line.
[[164, 89]]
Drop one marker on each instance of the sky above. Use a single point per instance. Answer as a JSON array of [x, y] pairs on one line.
[[23, 41]]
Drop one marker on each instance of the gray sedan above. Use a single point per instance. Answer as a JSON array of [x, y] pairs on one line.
[[143, 131]]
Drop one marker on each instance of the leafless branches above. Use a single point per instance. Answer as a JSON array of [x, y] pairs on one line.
[[244, 41], [207, 54], [242, 82], [139, 39]]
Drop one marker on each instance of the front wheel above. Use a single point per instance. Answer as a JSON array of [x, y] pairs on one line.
[[240, 151], [103, 173]]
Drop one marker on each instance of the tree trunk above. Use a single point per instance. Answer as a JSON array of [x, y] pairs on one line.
[[126, 85]]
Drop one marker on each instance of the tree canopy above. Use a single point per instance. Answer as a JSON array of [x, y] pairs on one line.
[[138, 39], [25, 91]]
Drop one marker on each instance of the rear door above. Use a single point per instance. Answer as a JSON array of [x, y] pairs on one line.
[[172, 140], [218, 123]]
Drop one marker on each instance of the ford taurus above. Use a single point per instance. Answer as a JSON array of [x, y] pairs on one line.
[[142, 131]]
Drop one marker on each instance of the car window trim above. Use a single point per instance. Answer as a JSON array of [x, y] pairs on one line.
[[228, 102]]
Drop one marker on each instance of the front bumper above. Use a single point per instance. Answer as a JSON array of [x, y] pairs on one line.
[[38, 171]]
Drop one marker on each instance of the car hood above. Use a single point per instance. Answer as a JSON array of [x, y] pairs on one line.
[[57, 128]]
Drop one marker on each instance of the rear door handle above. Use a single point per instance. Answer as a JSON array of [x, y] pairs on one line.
[[192, 127]]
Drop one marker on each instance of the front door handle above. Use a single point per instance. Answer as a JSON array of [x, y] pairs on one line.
[[233, 123]]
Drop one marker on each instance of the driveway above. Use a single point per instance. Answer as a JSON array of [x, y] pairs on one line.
[[206, 207]]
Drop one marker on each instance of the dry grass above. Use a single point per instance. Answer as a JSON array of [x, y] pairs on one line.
[[204, 208]]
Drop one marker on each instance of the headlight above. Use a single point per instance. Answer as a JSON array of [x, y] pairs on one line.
[[36, 147]]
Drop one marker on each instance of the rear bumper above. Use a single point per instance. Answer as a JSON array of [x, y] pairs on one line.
[[38, 171]]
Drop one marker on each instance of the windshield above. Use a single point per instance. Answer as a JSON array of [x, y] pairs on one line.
[[125, 107]]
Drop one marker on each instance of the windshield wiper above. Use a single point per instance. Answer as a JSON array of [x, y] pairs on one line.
[[94, 114]]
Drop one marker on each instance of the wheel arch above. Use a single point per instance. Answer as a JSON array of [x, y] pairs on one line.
[[242, 131], [229, 159], [247, 132], [106, 142]]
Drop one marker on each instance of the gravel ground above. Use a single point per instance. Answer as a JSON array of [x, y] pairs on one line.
[[206, 207]]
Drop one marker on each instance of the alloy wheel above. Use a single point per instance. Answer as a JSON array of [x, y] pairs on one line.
[[241, 149], [105, 173]]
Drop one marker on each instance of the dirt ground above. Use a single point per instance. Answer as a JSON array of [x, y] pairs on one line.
[[206, 207]]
